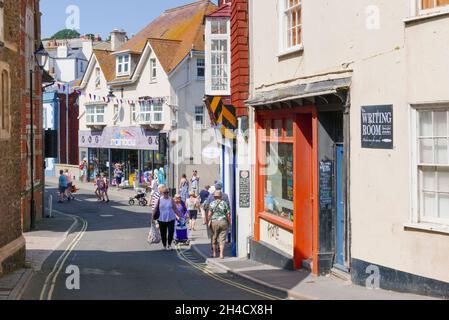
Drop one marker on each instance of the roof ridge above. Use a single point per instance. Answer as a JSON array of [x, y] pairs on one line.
[[163, 39], [186, 5]]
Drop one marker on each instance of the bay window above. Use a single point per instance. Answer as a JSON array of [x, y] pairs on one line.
[[145, 112], [151, 112], [220, 75], [432, 165]]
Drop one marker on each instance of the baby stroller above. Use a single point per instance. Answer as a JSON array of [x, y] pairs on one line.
[[140, 197], [181, 232]]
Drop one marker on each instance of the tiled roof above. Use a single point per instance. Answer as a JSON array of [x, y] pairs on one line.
[[106, 62], [174, 33], [224, 11]]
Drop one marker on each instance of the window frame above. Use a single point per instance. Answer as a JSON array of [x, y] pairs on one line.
[[121, 63], [200, 67], [435, 9], [153, 70], [282, 22], [417, 218], [198, 125], [210, 38], [95, 115]]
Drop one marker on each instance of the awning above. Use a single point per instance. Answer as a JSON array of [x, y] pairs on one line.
[[300, 91]]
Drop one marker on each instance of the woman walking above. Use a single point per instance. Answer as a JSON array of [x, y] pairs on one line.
[[220, 220], [184, 188], [118, 175], [105, 188], [166, 213], [193, 207]]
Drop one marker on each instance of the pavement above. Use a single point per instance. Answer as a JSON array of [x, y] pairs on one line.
[[301, 285], [48, 235]]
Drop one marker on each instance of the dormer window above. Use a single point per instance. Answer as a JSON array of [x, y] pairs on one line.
[[123, 65]]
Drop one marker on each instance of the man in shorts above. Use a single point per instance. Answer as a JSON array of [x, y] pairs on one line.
[[62, 186]]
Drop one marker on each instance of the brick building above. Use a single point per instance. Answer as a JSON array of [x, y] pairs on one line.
[[19, 34]]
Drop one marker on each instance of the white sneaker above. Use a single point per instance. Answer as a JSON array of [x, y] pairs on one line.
[[169, 248]]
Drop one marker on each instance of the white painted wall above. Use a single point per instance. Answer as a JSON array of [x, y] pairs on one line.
[[397, 64]]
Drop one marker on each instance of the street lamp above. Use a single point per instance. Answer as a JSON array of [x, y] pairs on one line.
[[41, 57]]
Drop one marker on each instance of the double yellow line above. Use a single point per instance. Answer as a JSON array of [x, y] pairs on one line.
[[203, 269], [50, 281]]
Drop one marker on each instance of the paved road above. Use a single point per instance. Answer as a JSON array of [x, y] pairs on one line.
[[116, 262]]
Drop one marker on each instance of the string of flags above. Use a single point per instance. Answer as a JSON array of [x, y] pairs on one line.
[[64, 87], [150, 100]]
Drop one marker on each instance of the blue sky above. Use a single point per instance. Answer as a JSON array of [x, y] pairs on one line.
[[102, 16]]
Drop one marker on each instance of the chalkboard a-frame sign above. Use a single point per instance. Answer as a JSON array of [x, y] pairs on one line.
[[377, 127]]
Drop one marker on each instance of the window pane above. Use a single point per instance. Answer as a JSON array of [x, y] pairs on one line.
[[441, 151], [440, 124], [426, 150], [427, 179], [425, 124], [289, 128], [278, 128], [443, 180], [267, 126], [443, 206], [429, 205], [279, 180]]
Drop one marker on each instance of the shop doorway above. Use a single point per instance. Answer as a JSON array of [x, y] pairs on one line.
[[340, 258]]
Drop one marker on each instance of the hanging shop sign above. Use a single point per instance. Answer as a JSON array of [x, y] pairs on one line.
[[245, 189], [120, 138], [377, 127]]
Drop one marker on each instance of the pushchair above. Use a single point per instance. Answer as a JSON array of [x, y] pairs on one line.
[[140, 197], [181, 232]]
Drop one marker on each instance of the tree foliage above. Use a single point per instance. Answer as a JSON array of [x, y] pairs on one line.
[[66, 34]]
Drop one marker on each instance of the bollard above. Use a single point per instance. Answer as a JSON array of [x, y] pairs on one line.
[[50, 206]]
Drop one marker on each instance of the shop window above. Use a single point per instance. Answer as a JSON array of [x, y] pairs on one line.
[[279, 180], [278, 146], [433, 166]]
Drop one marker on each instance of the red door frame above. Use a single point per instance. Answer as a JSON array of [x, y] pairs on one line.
[[305, 141]]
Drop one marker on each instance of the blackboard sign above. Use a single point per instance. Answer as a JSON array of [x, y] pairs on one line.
[[326, 185], [245, 190], [377, 127]]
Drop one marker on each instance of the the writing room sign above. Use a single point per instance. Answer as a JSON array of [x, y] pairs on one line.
[[377, 127]]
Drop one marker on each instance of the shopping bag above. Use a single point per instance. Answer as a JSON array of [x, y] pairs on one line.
[[154, 237]]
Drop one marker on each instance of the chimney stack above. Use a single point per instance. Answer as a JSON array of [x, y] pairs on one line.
[[118, 38]]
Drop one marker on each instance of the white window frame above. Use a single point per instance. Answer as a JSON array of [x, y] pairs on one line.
[[122, 63], [283, 12], [197, 124], [417, 8], [200, 67], [116, 116], [146, 109], [158, 113], [93, 118], [417, 219], [227, 69], [153, 70], [97, 78]]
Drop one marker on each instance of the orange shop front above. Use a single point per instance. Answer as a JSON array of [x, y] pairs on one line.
[[286, 212]]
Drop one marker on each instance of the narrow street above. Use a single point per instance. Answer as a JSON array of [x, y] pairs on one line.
[[110, 248]]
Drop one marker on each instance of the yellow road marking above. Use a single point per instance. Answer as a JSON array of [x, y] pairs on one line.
[[197, 266], [61, 261]]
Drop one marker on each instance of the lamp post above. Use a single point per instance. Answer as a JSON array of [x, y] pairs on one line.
[[41, 57]]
